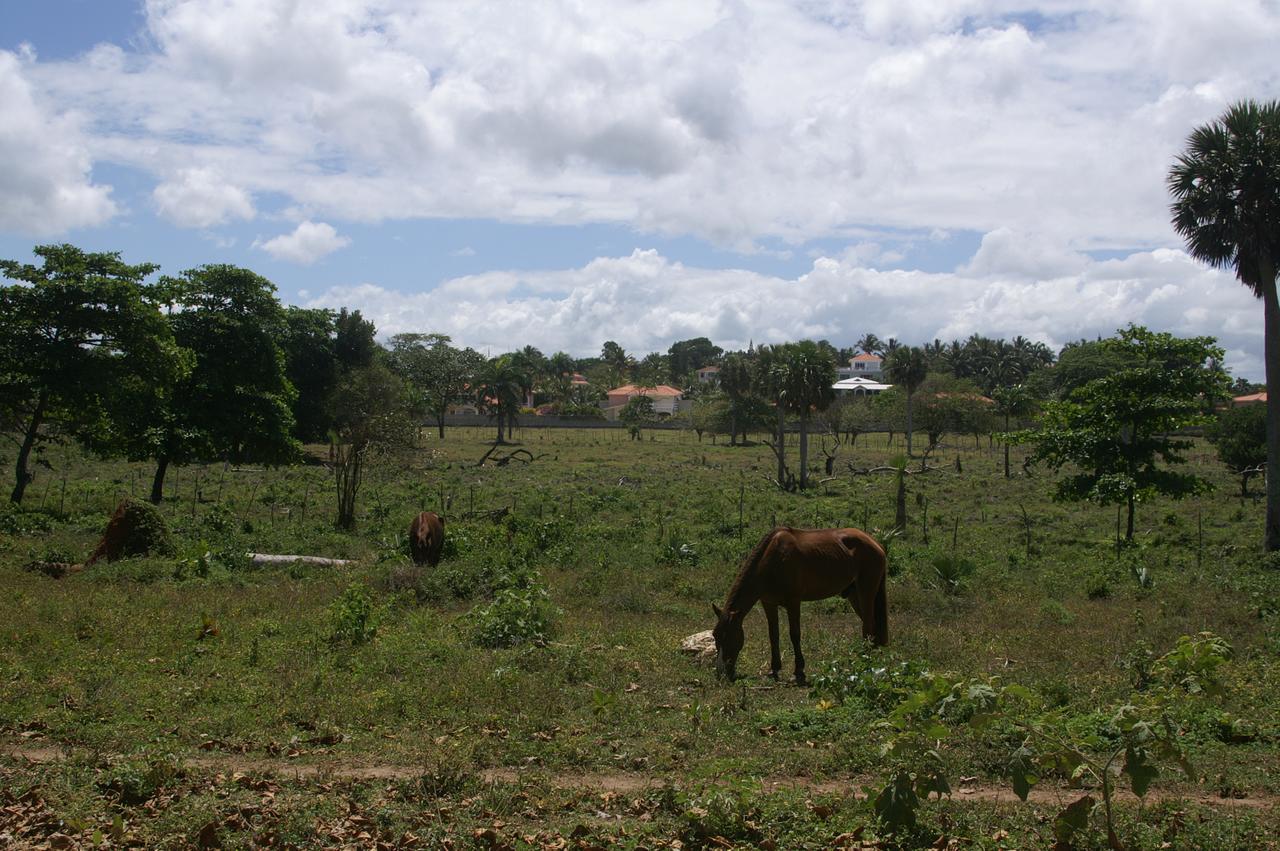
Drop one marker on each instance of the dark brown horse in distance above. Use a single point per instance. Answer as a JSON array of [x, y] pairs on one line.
[[791, 565], [426, 537]]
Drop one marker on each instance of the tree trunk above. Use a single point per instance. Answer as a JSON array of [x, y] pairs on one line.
[[440, 423], [157, 483], [900, 503], [500, 440], [22, 475], [782, 438], [908, 425], [1271, 332], [804, 452], [1128, 534], [347, 472], [1006, 447]]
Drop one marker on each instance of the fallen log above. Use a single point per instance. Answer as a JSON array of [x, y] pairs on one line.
[[268, 558]]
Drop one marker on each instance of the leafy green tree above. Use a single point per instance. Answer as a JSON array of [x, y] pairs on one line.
[[1226, 191], [907, 366], [1240, 436], [81, 340], [636, 414], [354, 343], [372, 414], [1081, 362], [810, 374], [439, 372], [687, 356], [311, 365], [735, 382], [652, 370], [236, 402], [1116, 432], [950, 405]]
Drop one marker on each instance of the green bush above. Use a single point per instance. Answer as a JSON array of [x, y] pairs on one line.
[[352, 617], [1096, 585], [15, 520], [865, 677], [515, 616], [147, 531], [137, 781], [950, 572]]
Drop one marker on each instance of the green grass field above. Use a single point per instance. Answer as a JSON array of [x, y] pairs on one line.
[[193, 699]]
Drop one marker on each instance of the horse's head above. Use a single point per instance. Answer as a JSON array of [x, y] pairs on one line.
[[728, 636]]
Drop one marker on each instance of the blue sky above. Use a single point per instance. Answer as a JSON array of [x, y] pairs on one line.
[[559, 175]]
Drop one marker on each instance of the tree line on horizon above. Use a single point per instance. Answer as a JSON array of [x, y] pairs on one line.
[[208, 366]]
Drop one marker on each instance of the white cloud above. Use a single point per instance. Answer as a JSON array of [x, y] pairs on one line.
[[731, 121], [308, 242], [201, 198], [645, 302], [45, 181]]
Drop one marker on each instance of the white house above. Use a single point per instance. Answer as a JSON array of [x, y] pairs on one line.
[[864, 364], [665, 398], [859, 385]]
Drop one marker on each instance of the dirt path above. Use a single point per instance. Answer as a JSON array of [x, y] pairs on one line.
[[626, 783]]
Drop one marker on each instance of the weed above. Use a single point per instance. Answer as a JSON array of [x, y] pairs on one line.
[[515, 616], [352, 619]]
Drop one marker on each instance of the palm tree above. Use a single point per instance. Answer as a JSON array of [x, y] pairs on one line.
[[907, 366], [771, 383], [619, 362], [1012, 400], [810, 372], [560, 368], [1226, 191], [500, 389], [869, 344]]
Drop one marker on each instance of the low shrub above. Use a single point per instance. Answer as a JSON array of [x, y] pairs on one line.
[[515, 616]]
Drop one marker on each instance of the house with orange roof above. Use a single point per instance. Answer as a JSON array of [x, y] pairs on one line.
[[1249, 399], [865, 365], [665, 398], [709, 374]]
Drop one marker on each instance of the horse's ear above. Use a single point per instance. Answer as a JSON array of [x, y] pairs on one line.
[[716, 609]]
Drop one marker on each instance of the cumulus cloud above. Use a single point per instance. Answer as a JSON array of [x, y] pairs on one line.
[[645, 302], [308, 242], [201, 198], [45, 181], [734, 122]]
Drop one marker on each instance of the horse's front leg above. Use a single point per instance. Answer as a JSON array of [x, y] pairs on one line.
[[793, 622], [775, 654]]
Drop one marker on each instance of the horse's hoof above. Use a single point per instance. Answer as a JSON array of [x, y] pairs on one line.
[[800, 680]]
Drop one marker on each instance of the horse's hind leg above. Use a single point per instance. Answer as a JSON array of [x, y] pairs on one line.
[[793, 622], [866, 607], [775, 654]]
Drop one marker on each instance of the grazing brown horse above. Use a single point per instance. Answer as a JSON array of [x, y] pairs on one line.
[[426, 537], [790, 565]]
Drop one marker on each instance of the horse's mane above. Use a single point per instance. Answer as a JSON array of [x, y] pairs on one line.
[[749, 562]]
